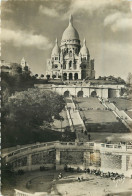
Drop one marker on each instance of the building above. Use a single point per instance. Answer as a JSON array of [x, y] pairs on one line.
[[14, 68], [24, 63], [70, 61]]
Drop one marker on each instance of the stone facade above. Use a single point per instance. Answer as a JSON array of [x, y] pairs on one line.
[[106, 157], [103, 91], [70, 61]]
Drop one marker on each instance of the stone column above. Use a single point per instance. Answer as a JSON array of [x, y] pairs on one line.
[[124, 163], [57, 159], [105, 93], [79, 75], [29, 162], [88, 92], [86, 158], [67, 76]]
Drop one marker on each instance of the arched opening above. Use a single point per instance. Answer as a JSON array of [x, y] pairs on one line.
[[70, 64], [80, 94], [70, 76], [65, 76], [75, 76], [112, 93], [70, 53], [93, 94], [66, 94]]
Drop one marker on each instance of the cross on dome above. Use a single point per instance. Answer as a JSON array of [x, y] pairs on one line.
[[56, 41], [70, 20], [70, 32], [84, 42]]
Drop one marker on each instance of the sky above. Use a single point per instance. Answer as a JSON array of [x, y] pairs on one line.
[[30, 27]]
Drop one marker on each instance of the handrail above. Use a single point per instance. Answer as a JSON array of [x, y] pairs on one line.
[[59, 144]]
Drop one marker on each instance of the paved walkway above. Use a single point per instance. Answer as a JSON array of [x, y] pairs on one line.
[[74, 115]]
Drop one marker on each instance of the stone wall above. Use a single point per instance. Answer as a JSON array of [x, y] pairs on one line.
[[19, 162], [95, 159], [129, 162], [44, 157], [103, 91], [71, 157], [110, 161], [107, 157]]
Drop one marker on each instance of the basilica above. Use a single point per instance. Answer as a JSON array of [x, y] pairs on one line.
[[70, 60]]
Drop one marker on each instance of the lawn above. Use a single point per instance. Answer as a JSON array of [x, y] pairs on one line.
[[122, 103], [129, 113], [97, 118], [102, 121], [88, 103]]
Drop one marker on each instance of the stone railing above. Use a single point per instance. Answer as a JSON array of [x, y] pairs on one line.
[[22, 193], [57, 144], [116, 147]]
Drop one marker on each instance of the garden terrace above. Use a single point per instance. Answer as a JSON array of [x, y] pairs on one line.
[[122, 103], [88, 103], [97, 118]]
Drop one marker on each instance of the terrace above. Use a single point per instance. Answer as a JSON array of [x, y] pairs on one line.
[[122, 103], [97, 118]]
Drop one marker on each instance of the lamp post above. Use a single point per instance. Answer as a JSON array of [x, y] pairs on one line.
[[61, 119]]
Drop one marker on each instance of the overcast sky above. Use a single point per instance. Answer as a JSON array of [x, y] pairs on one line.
[[29, 29]]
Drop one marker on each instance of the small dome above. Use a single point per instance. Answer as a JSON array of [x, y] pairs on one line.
[[70, 32], [84, 49], [56, 49]]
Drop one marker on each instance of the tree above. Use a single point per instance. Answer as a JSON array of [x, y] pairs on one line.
[[36, 75], [42, 76], [53, 76], [48, 77], [26, 112], [16, 68], [99, 78]]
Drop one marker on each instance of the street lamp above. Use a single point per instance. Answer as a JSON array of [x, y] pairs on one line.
[[61, 119]]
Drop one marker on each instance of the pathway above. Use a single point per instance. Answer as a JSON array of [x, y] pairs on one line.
[[74, 116]]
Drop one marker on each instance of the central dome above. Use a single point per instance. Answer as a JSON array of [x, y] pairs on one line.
[[70, 32]]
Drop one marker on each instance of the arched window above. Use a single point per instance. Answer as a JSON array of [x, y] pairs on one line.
[[65, 76], [66, 94], [70, 53], [70, 64], [80, 94], [75, 76], [93, 94], [70, 76]]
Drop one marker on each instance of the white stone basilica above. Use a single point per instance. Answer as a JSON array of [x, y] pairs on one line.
[[70, 61]]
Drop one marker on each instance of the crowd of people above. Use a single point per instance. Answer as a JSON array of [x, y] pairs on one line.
[[97, 172], [111, 175]]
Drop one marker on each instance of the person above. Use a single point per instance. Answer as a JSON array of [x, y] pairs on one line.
[[85, 132], [89, 137], [82, 178], [60, 176], [78, 179], [88, 170]]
